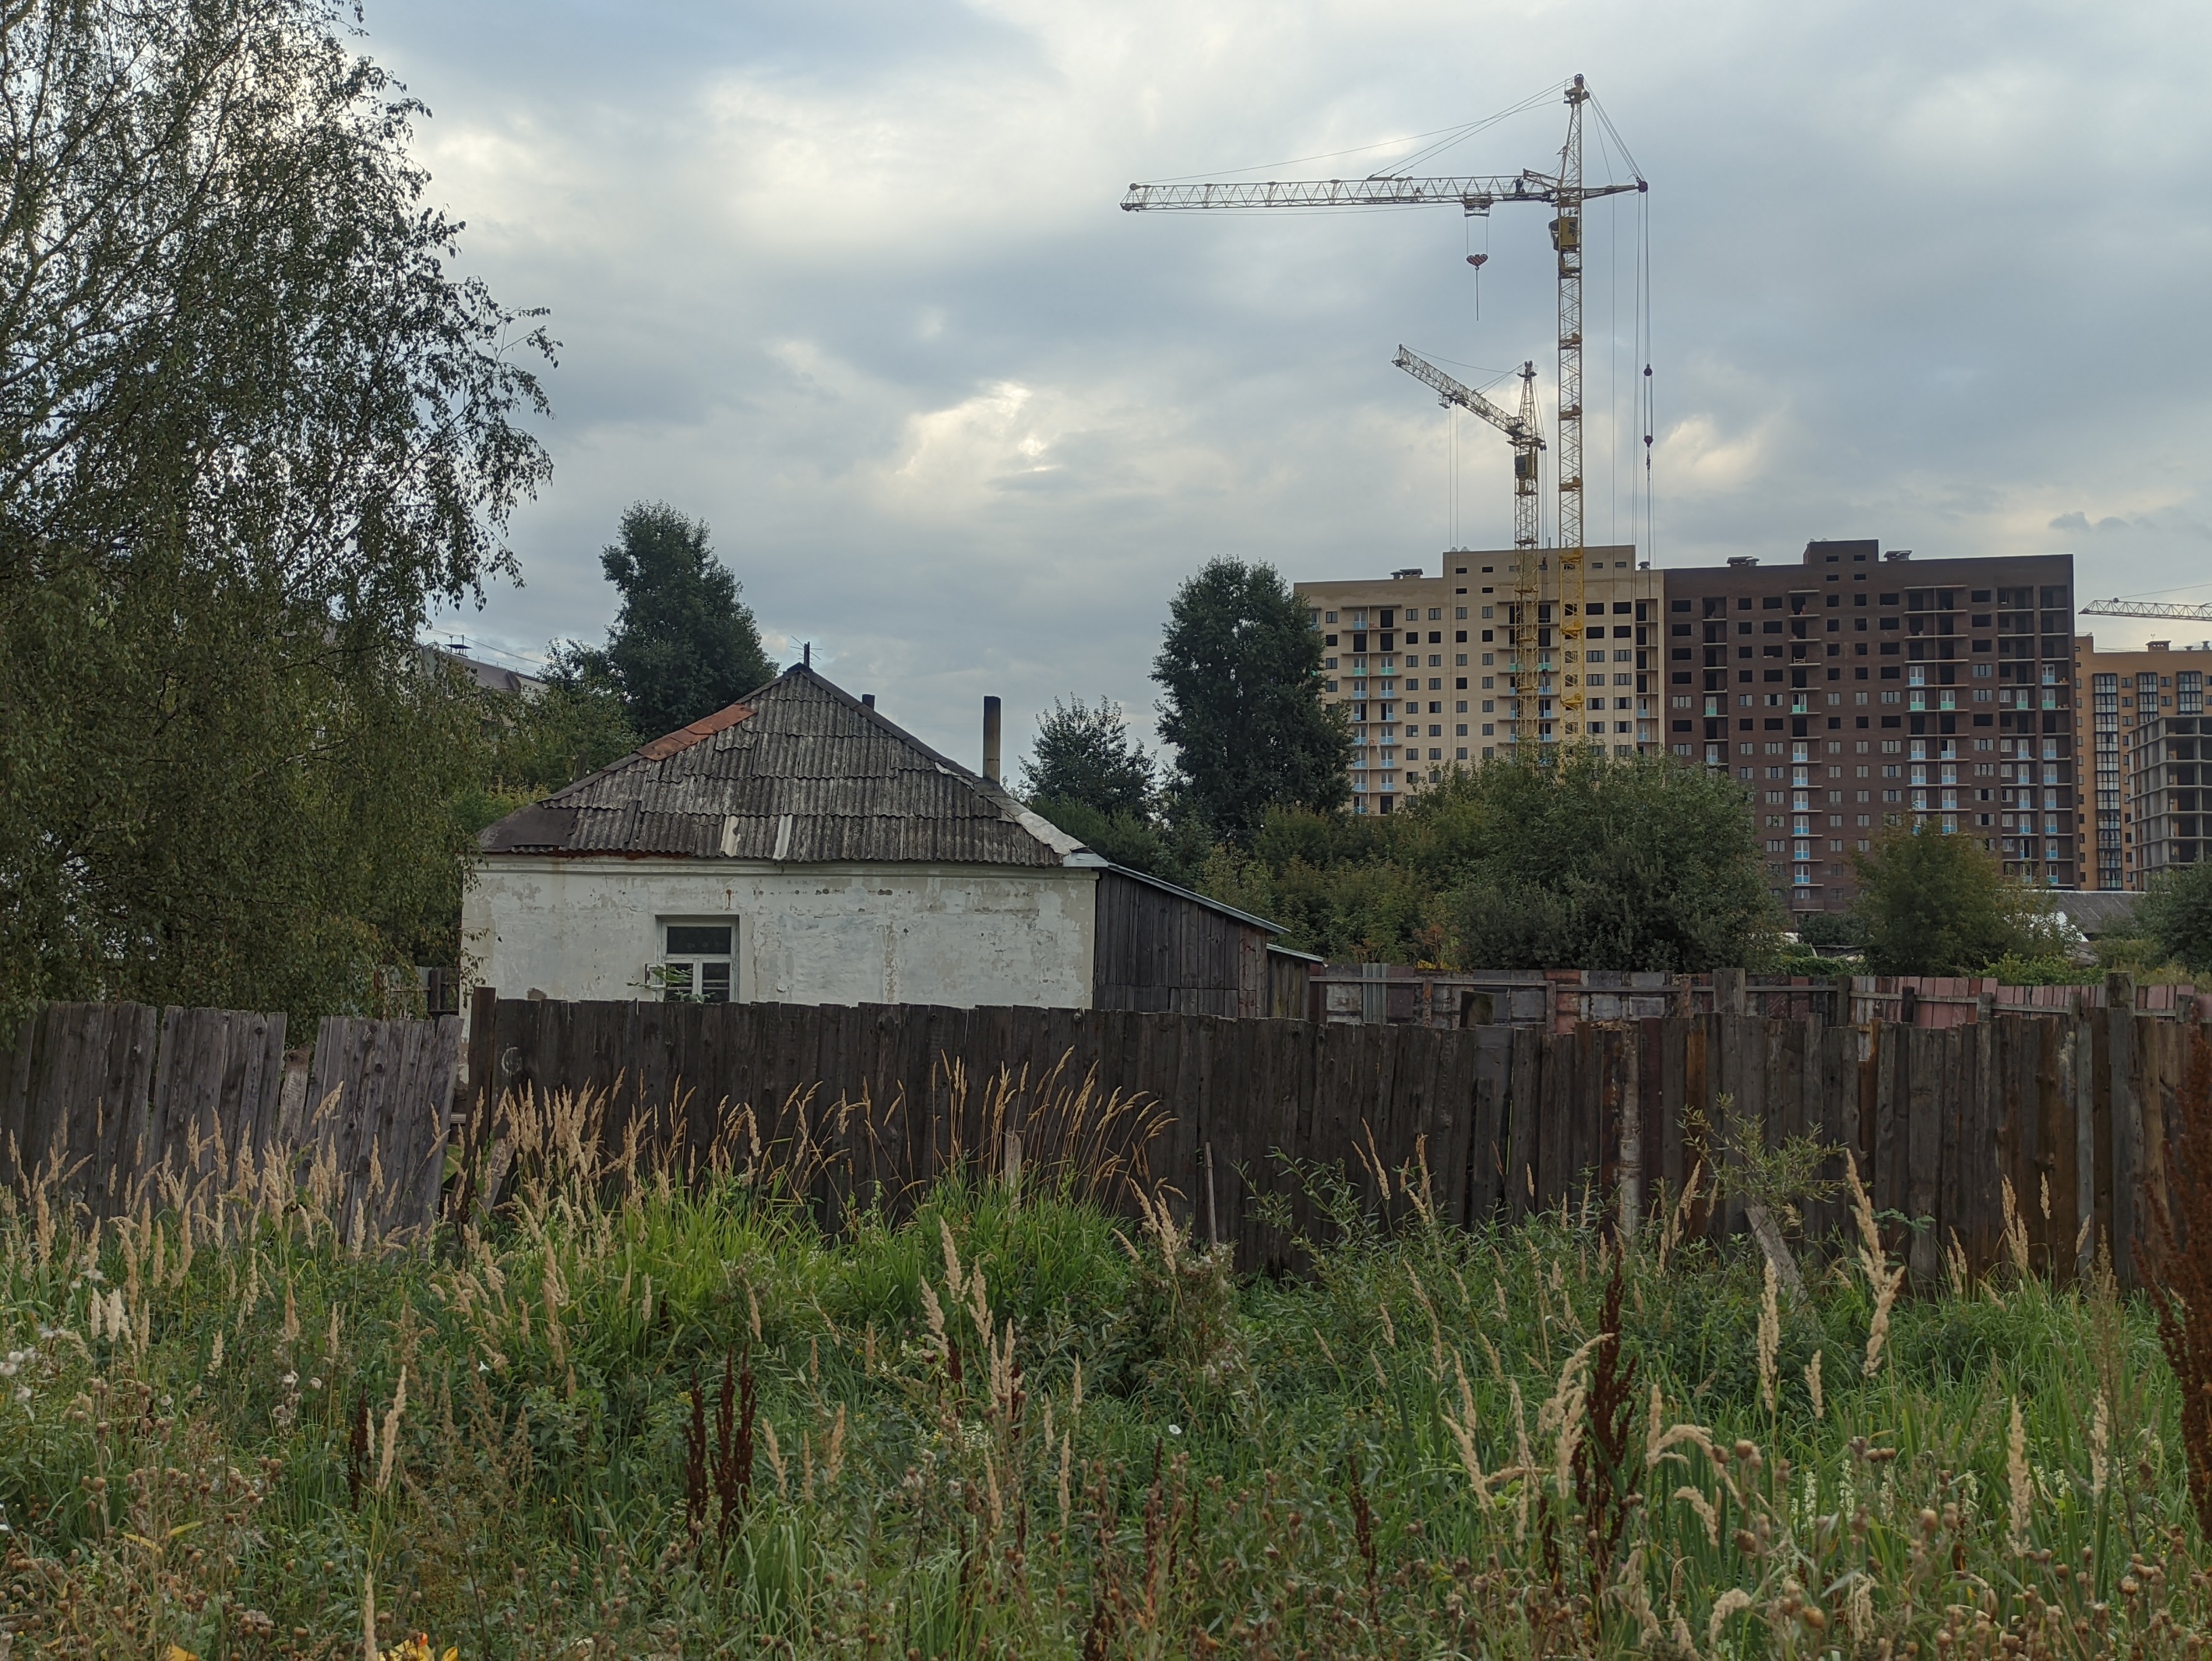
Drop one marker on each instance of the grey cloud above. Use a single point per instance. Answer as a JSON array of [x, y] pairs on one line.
[[786, 247]]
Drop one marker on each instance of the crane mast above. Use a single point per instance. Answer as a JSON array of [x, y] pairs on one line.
[[1567, 239], [1567, 194], [1527, 440]]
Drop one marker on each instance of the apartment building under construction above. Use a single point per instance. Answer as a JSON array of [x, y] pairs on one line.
[[1849, 689], [1422, 665], [2140, 723]]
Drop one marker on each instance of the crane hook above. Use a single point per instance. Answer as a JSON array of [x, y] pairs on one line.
[[1478, 260]]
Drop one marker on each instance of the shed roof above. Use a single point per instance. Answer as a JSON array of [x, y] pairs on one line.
[[798, 771], [2096, 911]]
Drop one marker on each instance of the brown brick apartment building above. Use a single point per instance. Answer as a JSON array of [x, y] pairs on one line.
[[2140, 724], [1857, 687]]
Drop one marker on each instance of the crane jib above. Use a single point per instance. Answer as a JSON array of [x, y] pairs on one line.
[[1469, 193]]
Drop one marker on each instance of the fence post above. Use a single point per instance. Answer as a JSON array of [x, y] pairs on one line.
[[1730, 997], [1632, 1131], [2126, 1120]]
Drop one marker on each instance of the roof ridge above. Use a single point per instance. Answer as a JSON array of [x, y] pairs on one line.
[[729, 785]]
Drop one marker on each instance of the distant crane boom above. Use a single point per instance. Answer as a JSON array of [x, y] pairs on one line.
[[1475, 195], [1521, 432], [1450, 391], [2145, 608]]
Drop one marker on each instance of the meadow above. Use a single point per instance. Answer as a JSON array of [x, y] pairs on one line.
[[637, 1416]]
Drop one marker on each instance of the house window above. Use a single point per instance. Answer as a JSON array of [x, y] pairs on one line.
[[697, 965]]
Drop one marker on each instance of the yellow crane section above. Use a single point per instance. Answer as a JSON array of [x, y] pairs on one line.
[[1526, 439]]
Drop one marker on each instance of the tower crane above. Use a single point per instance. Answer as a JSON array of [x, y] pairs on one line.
[[2145, 608], [1566, 194], [1521, 432]]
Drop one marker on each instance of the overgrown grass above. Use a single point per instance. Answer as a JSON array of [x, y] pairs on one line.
[[1010, 1426]]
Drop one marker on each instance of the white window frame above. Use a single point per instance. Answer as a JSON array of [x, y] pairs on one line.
[[698, 966]]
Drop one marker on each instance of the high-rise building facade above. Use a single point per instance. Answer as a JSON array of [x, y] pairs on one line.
[[1849, 690], [2140, 726], [1423, 667], [1860, 688]]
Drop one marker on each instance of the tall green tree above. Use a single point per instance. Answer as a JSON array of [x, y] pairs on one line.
[[1083, 755], [1582, 860], [2177, 915], [535, 743], [683, 644], [1239, 670], [1574, 861], [1935, 905], [254, 427]]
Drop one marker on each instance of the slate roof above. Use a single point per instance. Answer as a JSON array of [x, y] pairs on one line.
[[798, 771], [2096, 911]]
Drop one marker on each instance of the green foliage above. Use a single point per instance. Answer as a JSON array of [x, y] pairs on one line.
[[1083, 755], [1937, 904], [255, 428], [2138, 956], [573, 727], [2016, 968], [1349, 908], [2177, 915], [982, 1422], [1586, 861], [1830, 929], [682, 645], [1794, 958], [1583, 860], [1240, 668], [1176, 852]]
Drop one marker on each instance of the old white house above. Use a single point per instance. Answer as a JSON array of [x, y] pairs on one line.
[[797, 847]]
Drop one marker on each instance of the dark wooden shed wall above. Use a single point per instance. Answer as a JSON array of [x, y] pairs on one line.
[[1158, 950]]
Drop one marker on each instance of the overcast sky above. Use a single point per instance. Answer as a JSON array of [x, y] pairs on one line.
[[849, 281]]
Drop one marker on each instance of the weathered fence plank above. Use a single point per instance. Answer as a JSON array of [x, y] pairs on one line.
[[2075, 1109]]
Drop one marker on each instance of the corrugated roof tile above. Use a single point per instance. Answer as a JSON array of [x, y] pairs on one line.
[[856, 788]]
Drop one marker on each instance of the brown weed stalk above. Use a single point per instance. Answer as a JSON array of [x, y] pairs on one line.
[[1606, 1479], [721, 1469]]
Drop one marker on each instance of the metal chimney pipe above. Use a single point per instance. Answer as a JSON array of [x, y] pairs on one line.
[[991, 739]]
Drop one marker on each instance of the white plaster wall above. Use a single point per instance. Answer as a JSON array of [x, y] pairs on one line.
[[964, 935]]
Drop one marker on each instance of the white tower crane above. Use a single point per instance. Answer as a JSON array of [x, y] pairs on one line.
[[1565, 192]]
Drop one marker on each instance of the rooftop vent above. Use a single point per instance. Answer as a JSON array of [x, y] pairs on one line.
[[1410, 571], [1743, 562], [1898, 553]]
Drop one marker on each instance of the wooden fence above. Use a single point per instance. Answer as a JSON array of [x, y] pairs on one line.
[[1559, 999], [2072, 1110], [108, 1098]]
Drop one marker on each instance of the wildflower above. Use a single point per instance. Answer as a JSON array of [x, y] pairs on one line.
[[1175, 1430]]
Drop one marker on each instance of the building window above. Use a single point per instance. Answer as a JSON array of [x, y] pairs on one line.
[[697, 962]]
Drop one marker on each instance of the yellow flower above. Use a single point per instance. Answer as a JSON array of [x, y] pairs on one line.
[[417, 1648]]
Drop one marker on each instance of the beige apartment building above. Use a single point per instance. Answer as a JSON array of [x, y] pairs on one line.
[[1423, 665], [2140, 720]]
